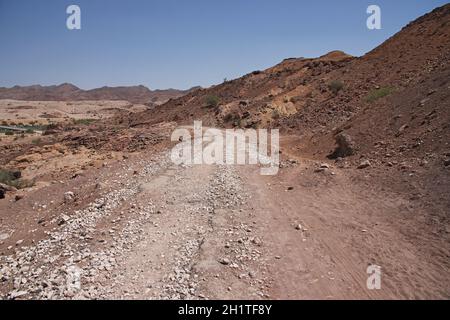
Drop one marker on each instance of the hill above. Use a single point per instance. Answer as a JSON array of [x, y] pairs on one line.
[[69, 92]]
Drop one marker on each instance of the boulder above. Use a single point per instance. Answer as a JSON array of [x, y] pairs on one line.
[[345, 146], [69, 196]]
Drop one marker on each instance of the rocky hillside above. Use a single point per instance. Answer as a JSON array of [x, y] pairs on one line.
[[69, 92], [388, 110], [316, 98]]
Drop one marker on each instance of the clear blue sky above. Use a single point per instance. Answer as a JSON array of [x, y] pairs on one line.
[[168, 43]]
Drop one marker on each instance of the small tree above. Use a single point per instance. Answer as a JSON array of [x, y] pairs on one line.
[[212, 101], [379, 93]]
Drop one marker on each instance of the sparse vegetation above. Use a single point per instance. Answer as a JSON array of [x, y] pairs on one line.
[[14, 179], [36, 141], [212, 101], [335, 86], [9, 133], [379, 93]]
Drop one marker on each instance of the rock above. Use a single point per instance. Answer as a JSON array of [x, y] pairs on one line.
[[299, 227], [225, 261], [325, 166], [364, 164], [18, 197], [63, 220], [401, 130], [423, 102], [256, 241], [17, 294], [2, 193], [290, 188], [447, 162], [4, 236], [78, 174], [18, 243], [99, 203], [7, 187], [100, 185], [345, 146], [69, 196]]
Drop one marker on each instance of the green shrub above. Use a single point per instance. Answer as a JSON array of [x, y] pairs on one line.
[[335, 86], [9, 133], [36, 141], [29, 130], [379, 93], [212, 101]]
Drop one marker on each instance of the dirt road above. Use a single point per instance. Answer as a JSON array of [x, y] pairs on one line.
[[145, 228]]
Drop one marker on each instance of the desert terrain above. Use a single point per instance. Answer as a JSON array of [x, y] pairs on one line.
[[92, 207]]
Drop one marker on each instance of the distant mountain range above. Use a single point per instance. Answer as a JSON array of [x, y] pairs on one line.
[[69, 92]]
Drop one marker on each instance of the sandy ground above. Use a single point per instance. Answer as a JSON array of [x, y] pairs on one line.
[[144, 228]]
